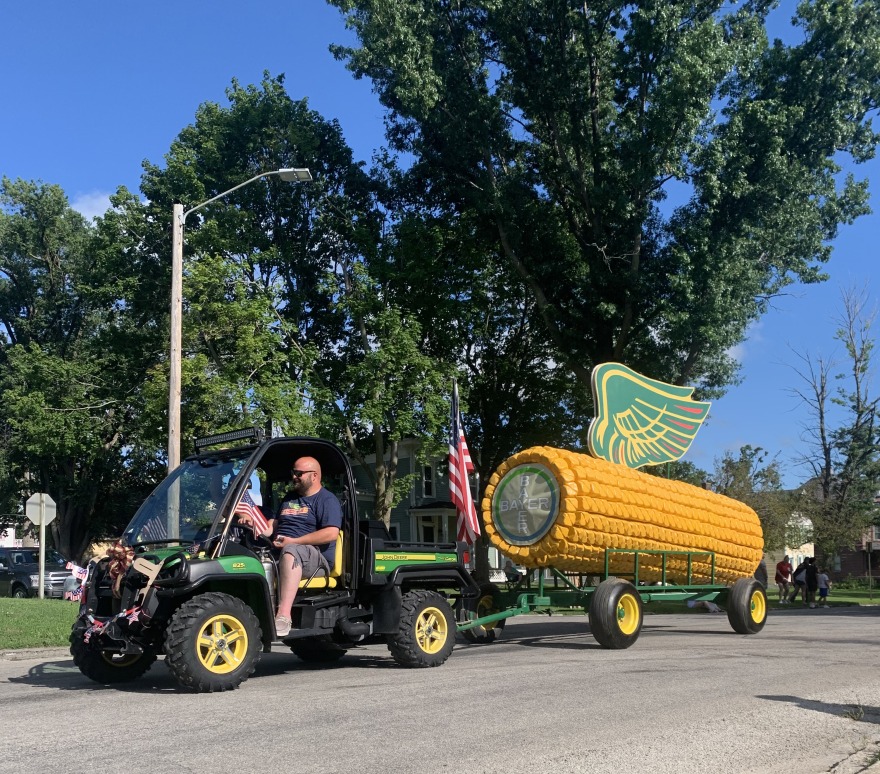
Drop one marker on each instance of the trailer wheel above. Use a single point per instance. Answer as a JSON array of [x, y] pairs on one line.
[[487, 604], [747, 606], [427, 630], [615, 614], [317, 650], [213, 642]]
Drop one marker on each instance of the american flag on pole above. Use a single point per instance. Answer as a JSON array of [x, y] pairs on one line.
[[460, 465], [247, 507]]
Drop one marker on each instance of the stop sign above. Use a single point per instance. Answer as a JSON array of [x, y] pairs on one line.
[[40, 508]]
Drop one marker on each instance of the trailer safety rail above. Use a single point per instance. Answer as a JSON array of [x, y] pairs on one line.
[[615, 603]]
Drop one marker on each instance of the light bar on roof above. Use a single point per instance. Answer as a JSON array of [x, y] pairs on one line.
[[254, 434]]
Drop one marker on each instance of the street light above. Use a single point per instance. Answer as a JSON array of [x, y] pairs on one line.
[[289, 175]]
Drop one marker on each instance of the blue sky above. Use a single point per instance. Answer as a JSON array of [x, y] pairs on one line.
[[90, 90]]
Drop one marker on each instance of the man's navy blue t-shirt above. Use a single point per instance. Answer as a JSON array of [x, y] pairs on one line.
[[299, 515]]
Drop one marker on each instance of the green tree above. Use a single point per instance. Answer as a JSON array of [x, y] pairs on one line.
[[285, 319], [563, 127], [447, 275], [255, 306], [842, 436], [71, 364], [753, 479]]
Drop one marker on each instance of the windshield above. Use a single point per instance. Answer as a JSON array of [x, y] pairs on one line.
[[32, 556], [184, 505]]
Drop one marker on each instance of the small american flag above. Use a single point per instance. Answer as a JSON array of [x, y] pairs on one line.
[[247, 507], [460, 464], [77, 571]]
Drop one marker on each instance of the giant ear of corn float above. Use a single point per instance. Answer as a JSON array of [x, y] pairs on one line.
[[545, 506]]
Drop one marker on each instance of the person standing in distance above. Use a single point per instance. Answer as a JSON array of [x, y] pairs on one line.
[[783, 579], [304, 531]]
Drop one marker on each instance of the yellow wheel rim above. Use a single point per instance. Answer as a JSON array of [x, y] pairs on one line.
[[432, 630], [628, 614], [758, 607], [222, 644], [486, 606]]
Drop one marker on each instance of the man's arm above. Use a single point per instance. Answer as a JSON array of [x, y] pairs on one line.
[[318, 538]]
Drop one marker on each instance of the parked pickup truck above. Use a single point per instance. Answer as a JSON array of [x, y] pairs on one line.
[[20, 573]]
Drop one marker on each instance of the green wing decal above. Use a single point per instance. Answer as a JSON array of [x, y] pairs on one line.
[[640, 421]]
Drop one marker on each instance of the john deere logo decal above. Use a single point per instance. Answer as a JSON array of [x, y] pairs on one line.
[[640, 421], [525, 504]]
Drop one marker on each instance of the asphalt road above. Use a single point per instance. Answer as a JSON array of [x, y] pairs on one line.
[[689, 696]]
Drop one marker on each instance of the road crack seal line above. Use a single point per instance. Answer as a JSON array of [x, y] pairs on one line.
[[865, 759]]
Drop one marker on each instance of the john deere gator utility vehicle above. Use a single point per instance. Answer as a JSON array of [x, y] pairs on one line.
[[187, 582]]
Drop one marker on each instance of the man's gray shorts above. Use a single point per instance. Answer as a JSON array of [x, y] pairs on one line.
[[309, 558]]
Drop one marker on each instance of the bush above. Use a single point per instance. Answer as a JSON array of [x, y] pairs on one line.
[[856, 583]]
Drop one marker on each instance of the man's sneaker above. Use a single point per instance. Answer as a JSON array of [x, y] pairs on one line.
[[282, 626]]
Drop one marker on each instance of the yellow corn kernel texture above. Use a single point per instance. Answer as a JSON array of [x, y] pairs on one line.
[[607, 506]]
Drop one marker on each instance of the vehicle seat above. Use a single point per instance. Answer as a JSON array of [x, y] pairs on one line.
[[319, 581]]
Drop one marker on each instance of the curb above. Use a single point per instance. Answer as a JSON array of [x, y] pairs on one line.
[[26, 654]]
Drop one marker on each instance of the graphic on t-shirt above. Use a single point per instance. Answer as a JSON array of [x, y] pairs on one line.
[[294, 510]]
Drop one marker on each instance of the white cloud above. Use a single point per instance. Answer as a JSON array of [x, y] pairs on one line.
[[91, 205]]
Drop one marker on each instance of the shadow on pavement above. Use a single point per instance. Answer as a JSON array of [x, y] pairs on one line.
[[855, 712], [63, 675]]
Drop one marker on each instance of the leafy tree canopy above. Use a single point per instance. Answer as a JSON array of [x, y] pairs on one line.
[[562, 127]]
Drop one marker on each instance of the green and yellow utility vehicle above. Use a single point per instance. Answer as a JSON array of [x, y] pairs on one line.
[[186, 581]]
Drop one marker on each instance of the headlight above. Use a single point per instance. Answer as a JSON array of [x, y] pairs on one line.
[[35, 580]]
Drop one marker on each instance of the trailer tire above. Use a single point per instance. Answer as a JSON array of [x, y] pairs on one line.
[[616, 614], [213, 642], [317, 650], [487, 603], [747, 606], [426, 633]]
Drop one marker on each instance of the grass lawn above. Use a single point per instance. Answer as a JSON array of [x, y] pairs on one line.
[[35, 623], [836, 597]]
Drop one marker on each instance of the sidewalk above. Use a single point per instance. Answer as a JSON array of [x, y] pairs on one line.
[[25, 654]]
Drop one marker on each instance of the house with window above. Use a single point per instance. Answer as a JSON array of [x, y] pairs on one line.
[[860, 561], [426, 514]]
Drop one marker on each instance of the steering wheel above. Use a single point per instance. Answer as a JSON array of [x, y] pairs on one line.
[[248, 540]]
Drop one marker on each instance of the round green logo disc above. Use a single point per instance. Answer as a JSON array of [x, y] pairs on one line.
[[525, 504]]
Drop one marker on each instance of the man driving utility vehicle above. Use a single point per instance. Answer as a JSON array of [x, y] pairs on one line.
[[304, 531]]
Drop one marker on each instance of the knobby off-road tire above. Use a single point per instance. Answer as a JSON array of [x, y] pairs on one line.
[[107, 668], [427, 630], [616, 614], [213, 643], [747, 606], [487, 604], [317, 650]]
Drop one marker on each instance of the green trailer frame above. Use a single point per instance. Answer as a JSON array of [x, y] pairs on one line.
[[615, 604]]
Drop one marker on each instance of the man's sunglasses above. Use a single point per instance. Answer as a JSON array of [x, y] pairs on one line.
[[300, 473]]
